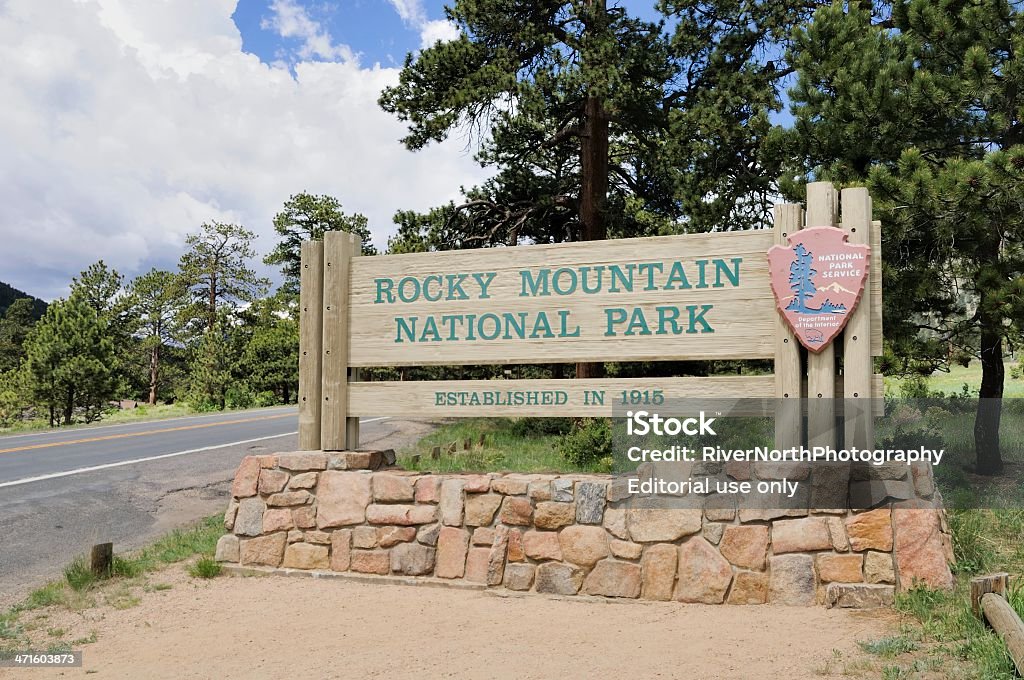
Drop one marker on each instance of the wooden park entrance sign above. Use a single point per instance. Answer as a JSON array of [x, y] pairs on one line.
[[670, 298]]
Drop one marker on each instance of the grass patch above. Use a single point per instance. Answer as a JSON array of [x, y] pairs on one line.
[[50, 594], [952, 382], [147, 412], [88, 640], [80, 588], [889, 647], [79, 575], [959, 645], [156, 587], [205, 567], [524, 445]]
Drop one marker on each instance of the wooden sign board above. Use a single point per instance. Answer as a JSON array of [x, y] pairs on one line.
[[668, 298], [643, 299]]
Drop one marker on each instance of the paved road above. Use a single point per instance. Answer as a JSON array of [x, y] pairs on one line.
[[63, 491], [43, 455]]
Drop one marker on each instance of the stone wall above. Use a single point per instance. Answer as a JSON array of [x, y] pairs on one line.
[[569, 535]]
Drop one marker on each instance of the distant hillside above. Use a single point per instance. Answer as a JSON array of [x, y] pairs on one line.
[[9, 294]]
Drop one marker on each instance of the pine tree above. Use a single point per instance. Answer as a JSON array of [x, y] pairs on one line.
[[306, 217], [598, 123], [801, 278], [216, 272], [210, 369], [15, 326], [69, 362], [157, 298], [270, 360], [924, 105]]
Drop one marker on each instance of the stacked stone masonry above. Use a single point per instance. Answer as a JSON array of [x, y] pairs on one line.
[[570, 535]]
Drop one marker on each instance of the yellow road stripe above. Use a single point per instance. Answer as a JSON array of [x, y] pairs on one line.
[[142, 434]]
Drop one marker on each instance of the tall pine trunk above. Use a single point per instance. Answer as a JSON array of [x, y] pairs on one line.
[[69, 406], [990, 402], [593, 176], [154, 373]]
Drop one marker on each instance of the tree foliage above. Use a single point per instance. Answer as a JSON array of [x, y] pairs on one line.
[[15, 326], [69, 362], [307, 217], [216, 273], [270, 358], [157, 300], [923, 105]]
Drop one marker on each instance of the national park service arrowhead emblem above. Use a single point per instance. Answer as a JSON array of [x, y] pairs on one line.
[[817, 281]]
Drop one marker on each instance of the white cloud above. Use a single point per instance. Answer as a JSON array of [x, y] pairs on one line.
[[290, 20], [125, 125], [439, 29], [411, 11], [415, 16]]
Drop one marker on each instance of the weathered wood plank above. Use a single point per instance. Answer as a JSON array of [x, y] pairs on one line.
[[822, 211], [101, 559], [788, 219], [375, 336], [876, 288], [857, 359], [1005, 621], [338, 255], [421, 398], [311, 308], [352, 422]]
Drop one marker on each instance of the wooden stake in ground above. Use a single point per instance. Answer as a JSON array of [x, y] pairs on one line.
[[101, 560]]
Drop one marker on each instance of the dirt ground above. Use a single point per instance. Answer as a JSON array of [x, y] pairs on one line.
[[281, 627]]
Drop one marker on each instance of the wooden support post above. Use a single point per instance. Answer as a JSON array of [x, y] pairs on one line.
[[339, 249], [101, 560], [876, 288], [311, 320], [858, 367], [352, 423], [993, 583], [435, 453], [788, 218], [829, 484]]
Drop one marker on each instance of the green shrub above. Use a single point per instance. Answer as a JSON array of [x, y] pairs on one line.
[[588, 443], [201, 404], [238, 397], [205, 568], [541, 427], [915, 387], [265, 398]]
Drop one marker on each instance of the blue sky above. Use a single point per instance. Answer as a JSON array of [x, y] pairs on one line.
[[378, 31], [373, 29]]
